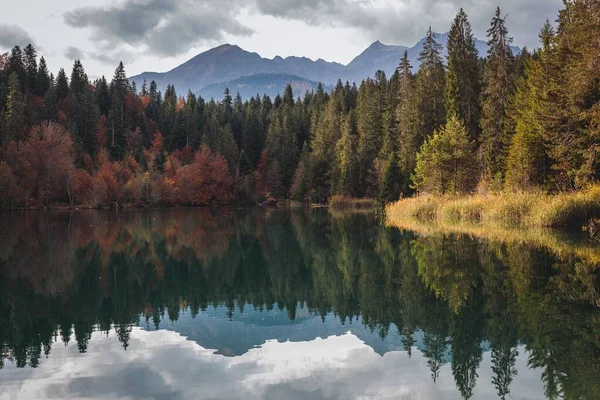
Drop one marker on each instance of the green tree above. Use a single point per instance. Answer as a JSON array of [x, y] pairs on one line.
[[392, 181], [430, 86], [498, 82], [31, 67], [407, 115], [62, 85], [42, 83], [15, 111], [445, 163], [463, 89]]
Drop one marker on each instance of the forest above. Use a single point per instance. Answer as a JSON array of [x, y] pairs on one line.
[[496, 122]]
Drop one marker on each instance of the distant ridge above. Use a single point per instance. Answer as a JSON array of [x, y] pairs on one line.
[[260, 84], [229, 63]]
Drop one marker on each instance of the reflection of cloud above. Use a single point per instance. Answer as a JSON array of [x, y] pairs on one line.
[[165, 365]]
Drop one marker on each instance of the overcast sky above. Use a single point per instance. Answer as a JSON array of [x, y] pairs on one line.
[[157, 35]]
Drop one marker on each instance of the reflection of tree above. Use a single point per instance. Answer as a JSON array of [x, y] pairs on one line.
[[436, 344], [466, 330], [448, 266], [101, 271]]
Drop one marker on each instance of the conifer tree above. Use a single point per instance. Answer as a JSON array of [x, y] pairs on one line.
[[15, 111], [463, 89], [42, 83], [392, 181], [407, 114], [430, 86], [498, 82], [62, 85], [31, 67], [445, 163], [347, 162]]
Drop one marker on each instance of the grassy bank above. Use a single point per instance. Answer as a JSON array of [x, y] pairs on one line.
[[349, 203], [568, 211], [550, 221]]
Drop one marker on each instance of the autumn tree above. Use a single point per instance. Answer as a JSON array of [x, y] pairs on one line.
[[50, 155]]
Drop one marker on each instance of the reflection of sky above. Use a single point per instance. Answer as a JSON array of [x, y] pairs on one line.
[[213, 329], [165, 365]]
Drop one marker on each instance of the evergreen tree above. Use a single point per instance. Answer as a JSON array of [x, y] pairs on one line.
[[50, 107], [79, 79], [31, 67], [372, 105], [445, 163], [407, 114], [15, 111], [392, 181], [463, 89], [347, 162], [498, 82], [430, 86], [42, 83], [103, 96], [62, 85], [14, 65]]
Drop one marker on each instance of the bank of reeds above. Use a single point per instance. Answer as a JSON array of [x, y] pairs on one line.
[[551, 221], [349, 203], [567, 211]]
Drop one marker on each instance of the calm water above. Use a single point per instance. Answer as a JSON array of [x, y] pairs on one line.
[[232, 304]]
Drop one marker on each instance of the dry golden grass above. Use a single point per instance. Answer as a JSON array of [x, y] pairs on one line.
[[518, 210], [342, 202], [534, 218]]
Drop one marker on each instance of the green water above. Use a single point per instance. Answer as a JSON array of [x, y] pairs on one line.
[[245, 304]]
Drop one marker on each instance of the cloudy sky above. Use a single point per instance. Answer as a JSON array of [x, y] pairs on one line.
[[164, 365], [157, 35]]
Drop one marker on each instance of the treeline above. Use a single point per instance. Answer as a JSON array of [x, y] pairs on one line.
[[475, 122], [460, 295]]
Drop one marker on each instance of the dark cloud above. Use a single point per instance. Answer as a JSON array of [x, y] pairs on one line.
[[11, 35], [405, 21], [164, 27], [74, 53], [171, 27]]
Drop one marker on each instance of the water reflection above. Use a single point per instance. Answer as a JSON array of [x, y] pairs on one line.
[[458, 318]]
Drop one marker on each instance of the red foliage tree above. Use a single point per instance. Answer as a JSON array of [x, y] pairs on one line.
[[49, 156], [206, 181]]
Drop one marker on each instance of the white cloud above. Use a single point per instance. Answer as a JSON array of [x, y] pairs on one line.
[[163, 364]]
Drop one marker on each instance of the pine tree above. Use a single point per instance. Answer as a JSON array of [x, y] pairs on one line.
[[407, 114], [347, 162], [62, 85], [392, 181], [42, 83], [372, 105], [119, 87], [430, 86], [14, 65], [463, 89], [31, 67], [103, 96], [79, 79], [15, 111], [445, 163], [498, 82], [50, 107]]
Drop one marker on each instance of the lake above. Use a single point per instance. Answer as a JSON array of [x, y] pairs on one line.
[[287, 304]]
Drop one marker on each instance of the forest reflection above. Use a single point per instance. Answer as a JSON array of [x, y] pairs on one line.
[[67, 275]]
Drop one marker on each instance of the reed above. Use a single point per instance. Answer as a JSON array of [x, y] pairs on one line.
[[568, 211]]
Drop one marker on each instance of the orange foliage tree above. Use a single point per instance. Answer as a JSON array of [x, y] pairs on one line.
[[205, 181], [49, 156]]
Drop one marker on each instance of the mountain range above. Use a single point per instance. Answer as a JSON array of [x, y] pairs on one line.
[[228, 65]]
